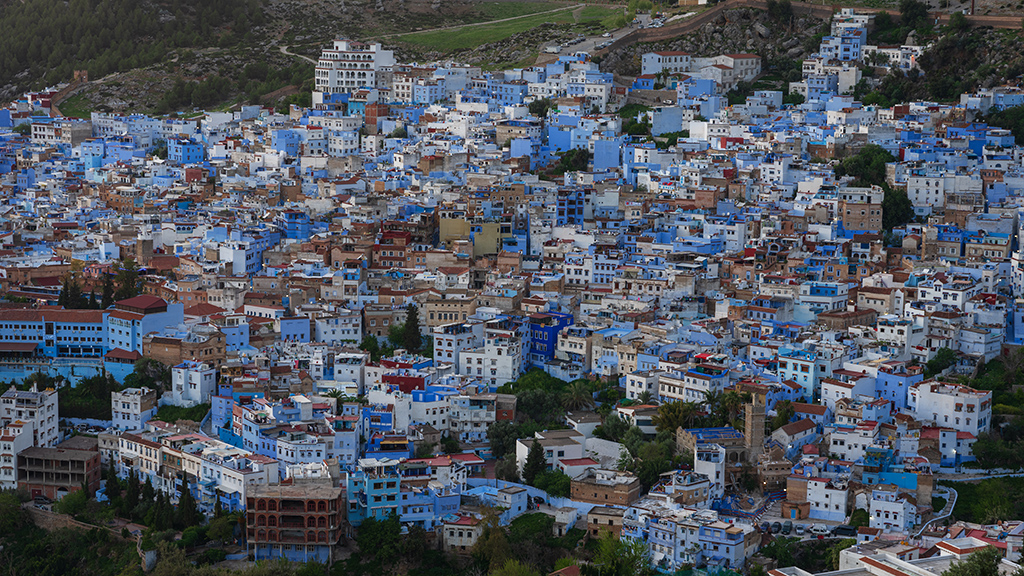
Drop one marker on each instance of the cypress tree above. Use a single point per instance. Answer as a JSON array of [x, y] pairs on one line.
[[188, 514], [412, 337], [535, 463], [108, 292]]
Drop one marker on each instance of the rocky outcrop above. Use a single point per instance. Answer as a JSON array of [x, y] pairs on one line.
[[739, 30]]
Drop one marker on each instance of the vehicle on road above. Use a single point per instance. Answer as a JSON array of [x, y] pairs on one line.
[[606, 35], [776, 527], [765, 527], [787, 527], [800, 530], [819, 530], [845, 530]]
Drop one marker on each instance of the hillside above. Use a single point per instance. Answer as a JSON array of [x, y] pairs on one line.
[[168, 55]]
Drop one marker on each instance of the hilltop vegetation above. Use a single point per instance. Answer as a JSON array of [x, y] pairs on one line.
[[43, 41]]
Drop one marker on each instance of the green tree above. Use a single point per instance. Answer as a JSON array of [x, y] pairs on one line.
[[613, 428], [131, 493], [867, 166], [540, 107], [187, 513], [896, 208], [222, 528], [371, 346], [984, 562], [412, 339], [578, 397], [513, 567], [507, 469], [502, 435], [380, 538], [535, 463], [913, 13], [943, 359], [108, 291], [129, 284], [554, 482], [784, 412], [12, 515], [673, 415], [113, 484], [73, 504], [492, 548], [573, 160], [832, 554]]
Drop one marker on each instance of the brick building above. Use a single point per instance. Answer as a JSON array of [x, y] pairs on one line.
[[605, 487], [57, 472], [300, 522]]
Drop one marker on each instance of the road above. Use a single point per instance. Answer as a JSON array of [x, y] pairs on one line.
[[562, 9], [284, 50]]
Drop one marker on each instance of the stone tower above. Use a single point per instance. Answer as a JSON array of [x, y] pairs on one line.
[[753, 427]]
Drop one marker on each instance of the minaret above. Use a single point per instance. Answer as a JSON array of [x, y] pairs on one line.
[[753, 428]]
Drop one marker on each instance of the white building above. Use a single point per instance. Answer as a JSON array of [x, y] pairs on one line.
[[893, 511], [556, 444], [498, 361], [131, 408], [191, 383], [348, 66], [951, 406], [38, 408]]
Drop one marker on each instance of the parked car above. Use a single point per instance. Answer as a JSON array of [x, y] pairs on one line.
[[776, 527], [765, 527], [800, 530], [820, 530], [844, 530], [606, 35], [787, 527]]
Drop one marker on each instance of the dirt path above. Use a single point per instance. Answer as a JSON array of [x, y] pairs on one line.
[[562, 9], [284, 50]]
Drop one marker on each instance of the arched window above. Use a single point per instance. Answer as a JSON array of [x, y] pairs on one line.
[[310, 536], [272, 505], [261, 504], [261, 535], [311, 506], [261, 520], [321, 506], [272, 521], [322, 522], [311, 522], [272, 536], [322, 536]]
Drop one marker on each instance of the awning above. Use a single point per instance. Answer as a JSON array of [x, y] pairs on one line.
[[18, 346]]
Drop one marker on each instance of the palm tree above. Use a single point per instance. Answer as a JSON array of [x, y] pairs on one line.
[[675, 415], [644, 397], [732, 403], [578, 397], [712, 403]]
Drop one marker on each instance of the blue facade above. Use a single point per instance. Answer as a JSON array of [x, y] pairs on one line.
[[544, 329]]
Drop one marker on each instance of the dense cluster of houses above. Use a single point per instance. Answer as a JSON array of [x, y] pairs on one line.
[[732, 259]]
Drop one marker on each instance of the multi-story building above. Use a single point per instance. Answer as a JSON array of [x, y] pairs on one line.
[[605, 487], [192, 383], [300, 522], [34, 407], [952, 405], [892, 511], [131, 408], [56, 472], [498, 361], [347, 66]]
